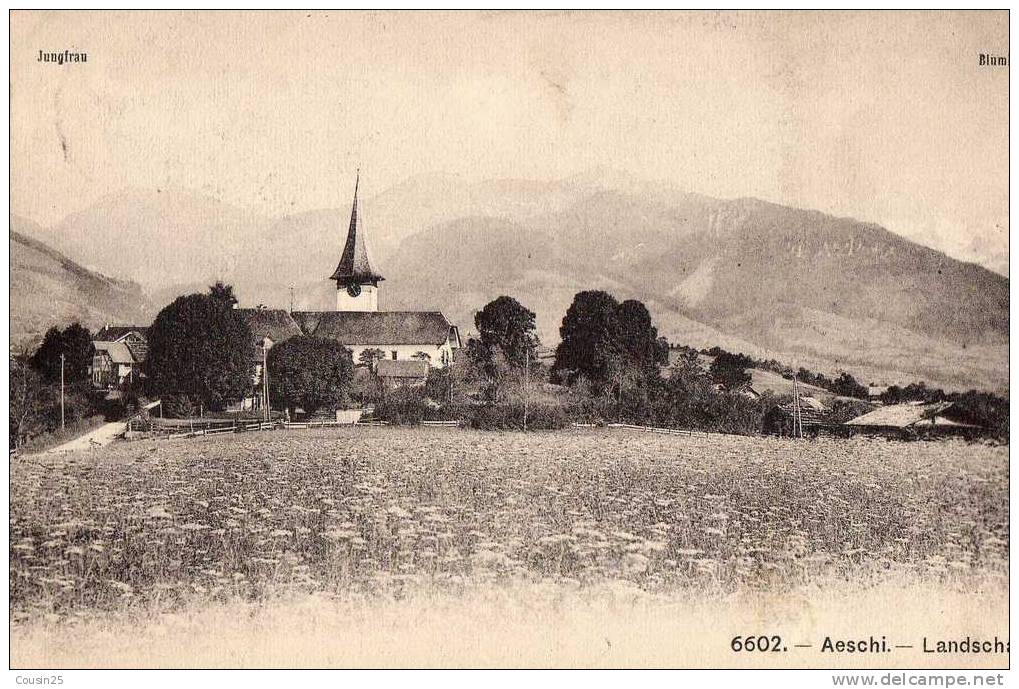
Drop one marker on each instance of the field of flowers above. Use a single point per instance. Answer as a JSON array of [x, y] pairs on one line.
[[156, 525]]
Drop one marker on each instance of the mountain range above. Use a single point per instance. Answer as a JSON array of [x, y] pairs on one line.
[[48, 289], [806, 288]]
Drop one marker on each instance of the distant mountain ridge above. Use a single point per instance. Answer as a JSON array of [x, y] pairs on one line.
[[48, 289], [804, 287]]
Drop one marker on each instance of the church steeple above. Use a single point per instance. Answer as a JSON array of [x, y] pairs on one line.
[[357, 282], [354, 265]]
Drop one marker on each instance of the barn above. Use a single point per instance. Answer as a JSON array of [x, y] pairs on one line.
[[912, 419]]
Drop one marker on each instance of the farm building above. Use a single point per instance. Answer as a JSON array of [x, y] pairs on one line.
[[910, 419], [780, 420], [120, 352]]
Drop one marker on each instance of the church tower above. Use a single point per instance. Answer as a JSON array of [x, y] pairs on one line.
[[357, 283]]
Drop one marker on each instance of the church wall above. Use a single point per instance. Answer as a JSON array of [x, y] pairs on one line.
[[406, 352]]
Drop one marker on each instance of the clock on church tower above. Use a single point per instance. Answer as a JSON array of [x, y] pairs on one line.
[[357, 283]]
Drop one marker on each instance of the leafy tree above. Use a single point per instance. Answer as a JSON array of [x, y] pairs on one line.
[[201, 348], [729, 370], [846, 386], [75, 343], [371, 358], [223, 293], [588, 338], [177, 406], [421, 356], [638, 339], [610, 344], [309, 372], [507, 325], [30, 398]]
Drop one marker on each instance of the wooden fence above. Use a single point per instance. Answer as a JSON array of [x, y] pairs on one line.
[[172, 428], [653, 429], [193, 428]]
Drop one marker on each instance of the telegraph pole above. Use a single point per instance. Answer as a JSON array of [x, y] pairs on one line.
[[61, 391], [527, 381], [291, 298], [265, 380], [797, 411]]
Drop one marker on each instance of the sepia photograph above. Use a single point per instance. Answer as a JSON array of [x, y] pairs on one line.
[[509, 340]]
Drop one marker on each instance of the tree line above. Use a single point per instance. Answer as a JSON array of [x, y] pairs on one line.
[[611, 364]]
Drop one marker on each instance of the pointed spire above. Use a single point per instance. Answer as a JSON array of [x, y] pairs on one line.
[[354, 265]]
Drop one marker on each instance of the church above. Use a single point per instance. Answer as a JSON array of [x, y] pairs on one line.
[[356, 322]]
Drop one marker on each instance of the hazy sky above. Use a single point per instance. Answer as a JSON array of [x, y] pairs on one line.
[[885, 117]]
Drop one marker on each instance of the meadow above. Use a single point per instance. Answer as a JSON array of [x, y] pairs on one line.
[[453, 524]]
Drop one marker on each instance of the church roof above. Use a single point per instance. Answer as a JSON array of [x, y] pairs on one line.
[[376, 327], [276, 324], [354, 263]]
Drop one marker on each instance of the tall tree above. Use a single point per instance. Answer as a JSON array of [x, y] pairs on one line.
[[75, 343], [638, 338], [223, 292], [506, 324], [729, 370], [202, 348], [847, 386], [588, 338], [371, 358], [30, 398], [310, 373], [609, 342]]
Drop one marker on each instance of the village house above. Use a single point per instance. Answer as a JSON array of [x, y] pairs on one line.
[[422, 338], [120, 353]]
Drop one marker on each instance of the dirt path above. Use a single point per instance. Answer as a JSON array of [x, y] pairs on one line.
[[99, 437]]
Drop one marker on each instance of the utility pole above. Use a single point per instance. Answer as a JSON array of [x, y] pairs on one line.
[[291, 298], [797, 413], [265, 381], [61, 391], [527, 381]]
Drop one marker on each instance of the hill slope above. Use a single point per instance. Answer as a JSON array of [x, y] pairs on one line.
[[800, 286], [49, 289]]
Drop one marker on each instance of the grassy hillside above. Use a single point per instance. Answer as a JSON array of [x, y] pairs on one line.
[[49, 289], [799, 286]]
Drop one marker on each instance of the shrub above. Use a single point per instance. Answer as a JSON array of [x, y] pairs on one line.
[[178, 407], [505, 417], [403, 407]]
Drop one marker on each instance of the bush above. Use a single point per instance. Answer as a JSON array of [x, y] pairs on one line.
[[178, 407], [506, 417], [404, 407]]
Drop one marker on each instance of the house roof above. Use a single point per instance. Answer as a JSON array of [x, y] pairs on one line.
[[117, 351], [139, 350], [354, 265], [407, 368], [113, 333], [377, 327], [276, 324], [899, 415]]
